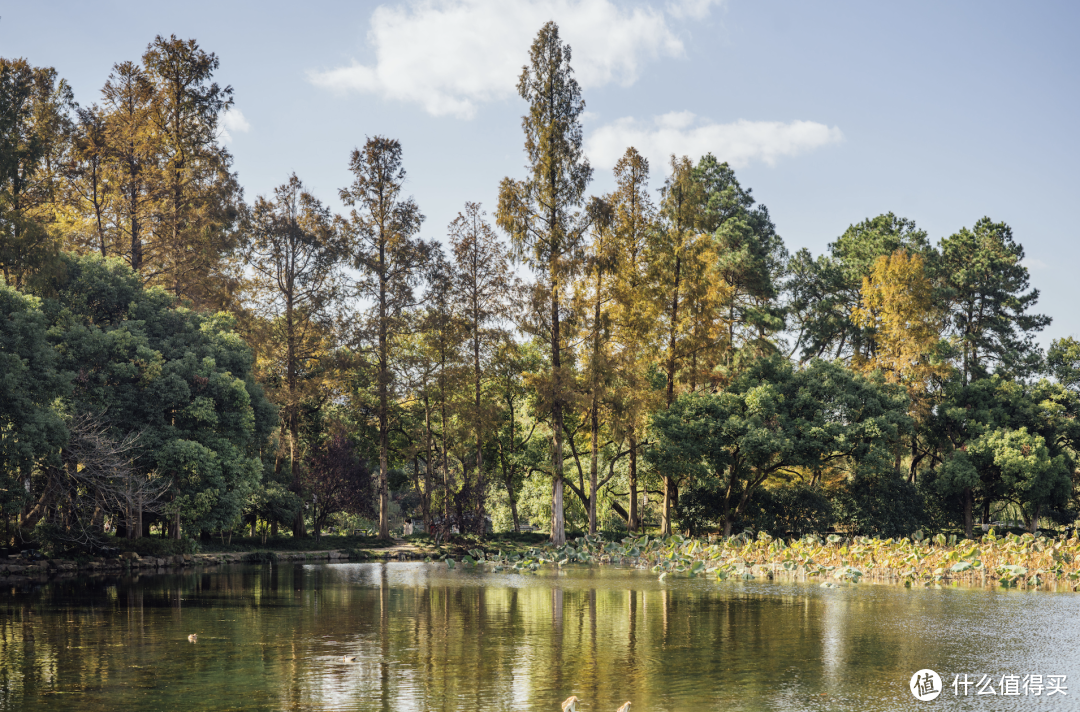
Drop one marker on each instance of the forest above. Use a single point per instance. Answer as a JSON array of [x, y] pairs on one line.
[[180, 360]]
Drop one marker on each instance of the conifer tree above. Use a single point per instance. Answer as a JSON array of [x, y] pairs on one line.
[[35, 139], [676, 274], [295, 257], [482, 285], [382, 226], [634, 312], [133, 157], [541, 212], [984, 270], [198, 191]]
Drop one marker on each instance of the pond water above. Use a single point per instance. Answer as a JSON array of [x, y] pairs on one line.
[[428, 638]]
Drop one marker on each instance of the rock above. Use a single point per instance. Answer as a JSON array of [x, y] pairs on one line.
[[129, 555], [187, 558]]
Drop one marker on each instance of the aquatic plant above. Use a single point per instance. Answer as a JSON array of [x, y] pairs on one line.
[[1026, 560]]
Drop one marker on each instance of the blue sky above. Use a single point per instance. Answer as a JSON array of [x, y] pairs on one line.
[[831, 111]]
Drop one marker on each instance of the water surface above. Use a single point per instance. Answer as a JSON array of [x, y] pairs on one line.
[[428, 638]]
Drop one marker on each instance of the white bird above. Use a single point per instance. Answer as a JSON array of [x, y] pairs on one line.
[[192, 638], [348, 658], [625, 707], [570, 704]]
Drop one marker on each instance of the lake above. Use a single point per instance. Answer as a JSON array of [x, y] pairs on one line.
[[428, 638]]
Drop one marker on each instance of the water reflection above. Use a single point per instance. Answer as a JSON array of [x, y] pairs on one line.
[[427, 638]]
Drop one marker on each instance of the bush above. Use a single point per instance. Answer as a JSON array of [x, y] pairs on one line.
[[880, 504], [790, 510]]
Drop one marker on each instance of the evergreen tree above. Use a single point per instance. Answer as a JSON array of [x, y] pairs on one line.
[[988, 285]]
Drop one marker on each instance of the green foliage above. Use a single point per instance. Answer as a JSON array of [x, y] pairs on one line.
[[31, 431], [180, 379], [880, 503], [773, 419]]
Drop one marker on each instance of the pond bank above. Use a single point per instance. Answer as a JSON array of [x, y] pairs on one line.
[[17, 570]]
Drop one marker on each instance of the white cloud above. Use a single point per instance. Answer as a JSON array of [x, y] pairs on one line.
[[450, 55], [682, 133], [233, 121], [691, 9]]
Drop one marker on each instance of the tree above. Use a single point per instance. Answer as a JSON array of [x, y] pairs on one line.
[[989, 315], [750, 258], [382, 226], [679, 276], [443, 330], [772, 420], [133, 158], [897, 307], [35, 138], [89, 194], [1008, 441], [824, 293], [180, 379], [31, 432], [634, 312], [338, 480], [295, 255], [482, 284], [197, 190], [540, 213], [510, 363], [595, 296]]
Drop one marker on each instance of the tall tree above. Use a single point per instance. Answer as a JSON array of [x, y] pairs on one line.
[[89, 194], [482, 285], [634, 312], [750, 258], [295, 257], [35, 138], [595, 293], [197, 190], [541, 212], [443, 330], [988, 282], [897, 306], [676, 274], [383, 226], [824, 293], [133, 157]]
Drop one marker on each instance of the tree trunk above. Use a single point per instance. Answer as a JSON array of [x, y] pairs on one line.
[[384, 405], [633, 521], [558, 521], [1033, 524], [968, 503], [665, 511]]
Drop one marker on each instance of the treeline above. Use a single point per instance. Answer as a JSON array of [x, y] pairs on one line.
[[177, 357]]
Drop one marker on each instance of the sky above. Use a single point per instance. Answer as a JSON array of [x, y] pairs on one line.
[[831, 112]]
